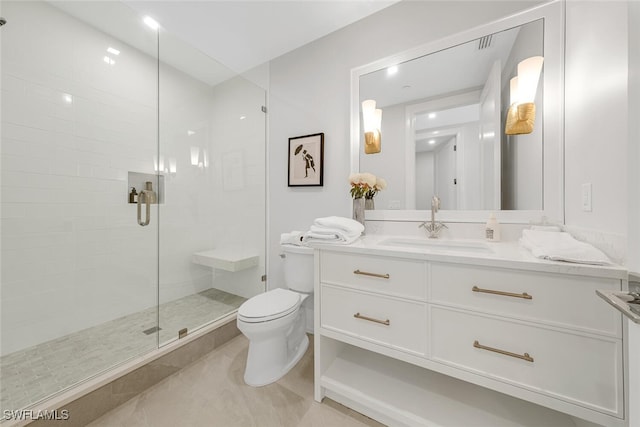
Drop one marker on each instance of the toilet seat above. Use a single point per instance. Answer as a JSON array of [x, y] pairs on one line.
[[268, 306]]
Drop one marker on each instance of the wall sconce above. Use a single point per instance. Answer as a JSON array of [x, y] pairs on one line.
[[372, 123], [523, 88]]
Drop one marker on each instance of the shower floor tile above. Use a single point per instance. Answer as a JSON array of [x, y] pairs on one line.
[[32, 374]]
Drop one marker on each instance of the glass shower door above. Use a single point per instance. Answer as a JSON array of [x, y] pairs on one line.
[[212, 161], [79, 117]]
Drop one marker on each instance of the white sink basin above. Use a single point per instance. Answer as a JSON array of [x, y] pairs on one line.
[[435, 244]]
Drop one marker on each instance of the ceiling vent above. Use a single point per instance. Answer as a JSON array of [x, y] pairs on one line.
[[485, 42]]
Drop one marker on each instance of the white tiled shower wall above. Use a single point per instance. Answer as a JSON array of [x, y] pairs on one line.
[[73, 126]]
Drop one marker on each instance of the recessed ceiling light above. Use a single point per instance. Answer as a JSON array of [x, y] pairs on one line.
[[432, 141], [190, 132], [243, 117], [113, 51], [392, 70], [67, 98], [108, 60], [432, 115], [151, 23], [435, 132]]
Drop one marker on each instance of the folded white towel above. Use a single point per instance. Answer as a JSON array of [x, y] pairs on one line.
[[346, 224], [561, 246], [326, 230], [337, 238], [292, 238]]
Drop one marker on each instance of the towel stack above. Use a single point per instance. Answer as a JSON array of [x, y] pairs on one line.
[[334, 229], [561, 246], [292, 238]]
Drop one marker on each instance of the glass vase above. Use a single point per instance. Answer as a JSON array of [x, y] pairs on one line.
[[358, 210], [368, 204]]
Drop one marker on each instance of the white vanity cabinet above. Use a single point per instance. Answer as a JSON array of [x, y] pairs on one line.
[[422, 339]]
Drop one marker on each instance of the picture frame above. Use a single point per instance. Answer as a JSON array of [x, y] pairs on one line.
[[306, 160]]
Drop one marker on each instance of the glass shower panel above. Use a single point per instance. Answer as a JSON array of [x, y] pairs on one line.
[[78, 290], [212, 220]]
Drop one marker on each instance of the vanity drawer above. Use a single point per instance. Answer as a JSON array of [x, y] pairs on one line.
[[579, 369], [564, 300], [387, 275], [382, 320]]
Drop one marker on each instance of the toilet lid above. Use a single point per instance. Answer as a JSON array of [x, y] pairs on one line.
[[272, 304]]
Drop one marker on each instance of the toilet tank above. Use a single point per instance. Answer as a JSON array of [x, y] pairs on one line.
[[298, 268]]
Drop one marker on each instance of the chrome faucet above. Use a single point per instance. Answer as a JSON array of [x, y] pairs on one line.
[[433, 227]]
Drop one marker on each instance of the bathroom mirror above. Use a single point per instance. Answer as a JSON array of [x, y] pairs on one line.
[[443, 125]]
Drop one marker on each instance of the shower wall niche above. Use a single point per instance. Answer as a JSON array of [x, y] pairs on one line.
[[137, 181]]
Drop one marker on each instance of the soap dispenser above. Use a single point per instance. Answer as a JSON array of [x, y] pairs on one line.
[[492, 229], [133, 196]]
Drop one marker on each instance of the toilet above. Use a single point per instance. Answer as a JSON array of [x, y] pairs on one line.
[[275, 321]]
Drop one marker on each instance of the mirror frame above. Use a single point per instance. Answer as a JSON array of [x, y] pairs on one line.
[[553, 117]]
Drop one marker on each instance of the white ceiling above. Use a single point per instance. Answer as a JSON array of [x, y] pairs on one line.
[[243, 34]]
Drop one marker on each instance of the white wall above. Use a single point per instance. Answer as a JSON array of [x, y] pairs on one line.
[[309, 92], [596, 102]]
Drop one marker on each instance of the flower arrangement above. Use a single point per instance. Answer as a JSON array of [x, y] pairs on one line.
[[365, 185]]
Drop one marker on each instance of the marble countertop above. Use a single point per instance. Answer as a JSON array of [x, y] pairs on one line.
[[499, 254]]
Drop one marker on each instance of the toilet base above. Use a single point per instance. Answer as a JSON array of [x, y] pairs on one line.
[[274, 347], [266, 378]]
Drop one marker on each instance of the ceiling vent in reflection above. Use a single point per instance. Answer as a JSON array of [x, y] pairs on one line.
[[485, 42]]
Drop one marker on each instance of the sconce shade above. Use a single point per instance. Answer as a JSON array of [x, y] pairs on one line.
[[372, 123], [528, 76], [513, 91], [368, 112]]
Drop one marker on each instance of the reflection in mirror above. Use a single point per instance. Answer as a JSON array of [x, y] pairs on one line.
[[443, 127]]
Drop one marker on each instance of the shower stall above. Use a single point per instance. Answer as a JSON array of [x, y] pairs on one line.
[[96, 101]]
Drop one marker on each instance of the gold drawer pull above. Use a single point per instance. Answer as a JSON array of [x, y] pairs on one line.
[[371, 319], [364, 273], [523, 295], [525, 356]]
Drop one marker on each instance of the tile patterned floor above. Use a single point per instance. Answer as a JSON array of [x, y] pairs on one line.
[[212, 392], [30, 375]]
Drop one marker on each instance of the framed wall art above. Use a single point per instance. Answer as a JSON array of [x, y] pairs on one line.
[[306, 160]]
